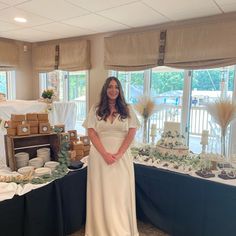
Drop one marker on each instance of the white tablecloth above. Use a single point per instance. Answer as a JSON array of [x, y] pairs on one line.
[[61, 113]]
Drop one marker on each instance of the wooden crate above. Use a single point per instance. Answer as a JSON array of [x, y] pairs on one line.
[[30, 144]]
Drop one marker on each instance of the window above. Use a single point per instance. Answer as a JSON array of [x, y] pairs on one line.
[[68, 86], [7, 84], [183, 94]]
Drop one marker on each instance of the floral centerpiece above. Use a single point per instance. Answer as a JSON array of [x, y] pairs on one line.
[[48, 94]]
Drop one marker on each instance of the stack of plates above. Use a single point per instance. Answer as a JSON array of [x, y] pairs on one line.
[[25, 170], [42, 171], [51, 164], [36, 162], [44, 153], [22, 159]]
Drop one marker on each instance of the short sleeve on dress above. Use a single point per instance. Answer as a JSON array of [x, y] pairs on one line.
[[90, 121], [133, 121]]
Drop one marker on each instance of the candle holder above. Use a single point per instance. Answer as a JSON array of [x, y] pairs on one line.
[[203, 148], [153, 136]]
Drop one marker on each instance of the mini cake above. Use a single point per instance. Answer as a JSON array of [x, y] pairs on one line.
[[172, 143]]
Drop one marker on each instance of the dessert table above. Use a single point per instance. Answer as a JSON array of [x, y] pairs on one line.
[[179, 204], [60, 113]]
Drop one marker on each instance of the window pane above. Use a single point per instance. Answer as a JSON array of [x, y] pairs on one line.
[[207, 86], [77, 86], [69, 86], [132, 84], [167, 90], [3, 82]]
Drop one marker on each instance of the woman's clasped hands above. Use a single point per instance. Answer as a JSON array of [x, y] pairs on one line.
[[112, 158]]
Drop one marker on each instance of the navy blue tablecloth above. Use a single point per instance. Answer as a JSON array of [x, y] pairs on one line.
[[178, 204], [183, 205], [56, 209]]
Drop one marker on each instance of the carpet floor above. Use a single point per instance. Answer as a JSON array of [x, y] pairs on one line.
[[144, 230]]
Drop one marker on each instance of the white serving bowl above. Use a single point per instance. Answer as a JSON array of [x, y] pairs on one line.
[[43, 150], [26, 170], [36, 162], [51, 164], [42, 171]]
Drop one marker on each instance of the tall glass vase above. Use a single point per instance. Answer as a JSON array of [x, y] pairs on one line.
[[145, 124], [223, 140]]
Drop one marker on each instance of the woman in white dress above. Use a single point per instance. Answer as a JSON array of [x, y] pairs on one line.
[[111, 127]]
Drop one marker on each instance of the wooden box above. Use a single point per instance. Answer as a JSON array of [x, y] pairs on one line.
[[78, 145], [15, 117], [23, 129], [85, 140], [86, 148], [73, 134], [34, 130], [43, 117], [79, 152], [13, 124], [44, 128], [30, 144], [32, 123], [32, 116], [61, 128], [86, 153], [11, 131]]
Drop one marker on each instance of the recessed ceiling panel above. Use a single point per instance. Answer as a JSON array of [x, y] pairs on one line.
[[53, 9], [96, 23], [134, 15]]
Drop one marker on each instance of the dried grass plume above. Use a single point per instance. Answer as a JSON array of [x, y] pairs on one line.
[[145, 107], [223, 112]]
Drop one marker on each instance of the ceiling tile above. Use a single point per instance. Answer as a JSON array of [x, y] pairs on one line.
[[141, 15], [4, 26], [3, 5], [63, 29], [227, 5], [13, 2], [183, 9], [9, 14], [96, 23], [182, 15], [53, 9], [223, 2], [95, 5], [30, 35]]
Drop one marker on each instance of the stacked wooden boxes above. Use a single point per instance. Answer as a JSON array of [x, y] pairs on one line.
[[44, 125], [16, 126], [31, 123], [79, 146], [32, 120]]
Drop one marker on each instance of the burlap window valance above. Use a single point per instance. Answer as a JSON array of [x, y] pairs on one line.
[[134, 51], [74, 55], [44, 57], [69, 56], [9, 55], [201, 46]]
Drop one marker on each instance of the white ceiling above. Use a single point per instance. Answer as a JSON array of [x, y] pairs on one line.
[[54, 19]]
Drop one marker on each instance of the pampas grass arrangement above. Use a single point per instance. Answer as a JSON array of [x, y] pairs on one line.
[[145, 107], [223, 111]]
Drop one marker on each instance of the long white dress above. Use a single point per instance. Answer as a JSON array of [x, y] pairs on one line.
[[111, 188]]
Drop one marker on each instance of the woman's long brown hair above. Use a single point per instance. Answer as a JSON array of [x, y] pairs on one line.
[[103, 109]]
